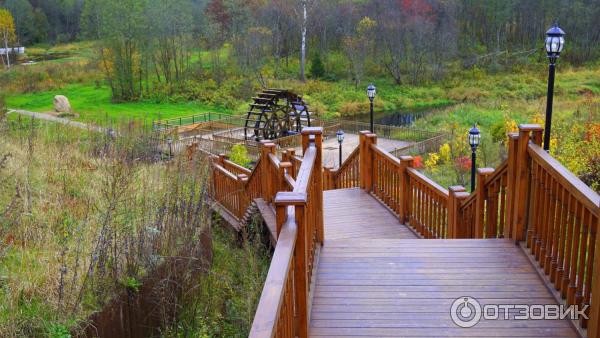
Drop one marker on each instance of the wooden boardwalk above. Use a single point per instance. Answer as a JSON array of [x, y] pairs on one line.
[[375, 278]]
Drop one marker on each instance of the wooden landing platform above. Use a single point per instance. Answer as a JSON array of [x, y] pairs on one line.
[[374, 278], [353, 213]]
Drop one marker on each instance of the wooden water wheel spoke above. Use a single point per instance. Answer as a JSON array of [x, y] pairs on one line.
[[275, 113]]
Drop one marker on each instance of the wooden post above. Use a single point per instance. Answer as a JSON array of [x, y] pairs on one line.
[[405, 163], [328, 178], [301, 282], [242, 196], [480, 198], [594, 319], [513, 139], [316, 134], [522, 185], [454, 214], [284, 167], [364, 151], [371, 139], [266, 180], [291, 152], [280, 217]]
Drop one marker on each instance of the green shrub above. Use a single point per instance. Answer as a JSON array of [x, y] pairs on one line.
[[239, 155], [317, 68]]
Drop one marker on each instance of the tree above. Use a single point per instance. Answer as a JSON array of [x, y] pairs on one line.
[[40, 26], [22, 13], [7, 32], [358, 46], [317, 68], [303, 41]]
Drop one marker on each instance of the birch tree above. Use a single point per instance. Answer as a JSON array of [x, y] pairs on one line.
[[7, 33], [303, 43]]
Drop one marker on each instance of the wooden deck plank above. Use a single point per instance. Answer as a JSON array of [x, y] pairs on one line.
[[375, 278], [352, 213]]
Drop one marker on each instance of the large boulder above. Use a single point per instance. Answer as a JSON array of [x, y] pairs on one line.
[[61, 104]]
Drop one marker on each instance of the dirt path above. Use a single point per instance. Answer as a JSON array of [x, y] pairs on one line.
[[51, 118]]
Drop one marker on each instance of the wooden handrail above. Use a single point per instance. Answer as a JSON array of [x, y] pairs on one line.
[[275, 313], [346, 176], [572, 183], [428, 206], [563, 232], [234, 167], [283, 309]]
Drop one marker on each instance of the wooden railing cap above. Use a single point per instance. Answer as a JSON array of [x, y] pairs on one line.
[[513, 135], [530, 127], [485, 171], [285, 165], [462, 195], [290, 198], [312, 130], [364, 132], [406, 158], [456, 188]]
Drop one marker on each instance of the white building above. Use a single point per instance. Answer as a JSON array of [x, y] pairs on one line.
[[15, 50]]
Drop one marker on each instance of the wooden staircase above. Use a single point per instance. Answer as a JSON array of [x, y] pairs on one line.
[[375, 248]]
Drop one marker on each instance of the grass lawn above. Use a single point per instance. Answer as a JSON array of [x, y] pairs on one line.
[[94, 104]]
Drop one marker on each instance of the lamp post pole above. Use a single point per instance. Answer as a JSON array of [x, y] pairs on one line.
[[473, 166], [549, 102], [555, 43], [474, 140], [170, 143], [371, 90], [371, 124], [340, 139]]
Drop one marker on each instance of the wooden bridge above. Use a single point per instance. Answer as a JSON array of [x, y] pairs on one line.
[[375, 248]]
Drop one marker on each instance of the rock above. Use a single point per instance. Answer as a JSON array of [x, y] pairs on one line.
[[61, 104]]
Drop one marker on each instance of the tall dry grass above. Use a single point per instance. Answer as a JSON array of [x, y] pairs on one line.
[[84, 216]]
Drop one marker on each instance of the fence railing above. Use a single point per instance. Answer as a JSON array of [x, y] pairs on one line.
[[283, 310], [346, 176], [562, 230], [530, 198], [168, 124]]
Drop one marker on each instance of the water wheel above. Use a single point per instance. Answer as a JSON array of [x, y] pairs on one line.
[[275, 113]]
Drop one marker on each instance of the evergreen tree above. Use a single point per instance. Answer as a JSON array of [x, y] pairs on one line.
[[317, 68]]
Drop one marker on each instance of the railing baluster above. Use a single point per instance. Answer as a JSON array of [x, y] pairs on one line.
[[572, 288]]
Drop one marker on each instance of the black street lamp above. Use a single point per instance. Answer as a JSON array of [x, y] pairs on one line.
[[170, 143], [340, 139], [555, 43], [474, 140], [371, 94]]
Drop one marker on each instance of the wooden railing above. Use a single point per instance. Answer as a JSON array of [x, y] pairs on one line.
[[346, 176], [427, 202], [530, 198], [562, 229], [418, 201], [231, 187], [283, 310]]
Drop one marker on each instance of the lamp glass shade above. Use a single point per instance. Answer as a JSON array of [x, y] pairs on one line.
[[474, 136], [555, 40], [371, 90], [340, 136]]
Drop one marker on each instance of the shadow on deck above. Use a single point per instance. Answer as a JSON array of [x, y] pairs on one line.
[[375, 278]]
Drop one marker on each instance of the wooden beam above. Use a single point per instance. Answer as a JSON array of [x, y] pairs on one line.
[[522, 181]]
